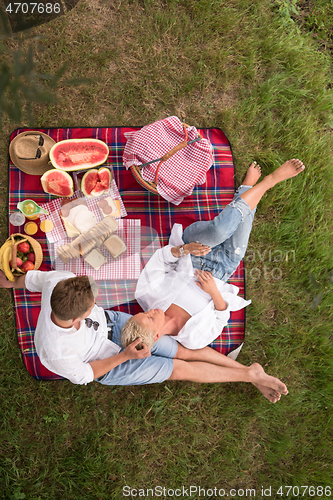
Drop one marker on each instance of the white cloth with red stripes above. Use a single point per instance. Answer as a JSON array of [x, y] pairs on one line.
[[178, 175]]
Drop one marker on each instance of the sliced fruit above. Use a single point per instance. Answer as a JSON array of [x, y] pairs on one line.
[[95, 182], [78, 154], [58, 183], [105, 177]]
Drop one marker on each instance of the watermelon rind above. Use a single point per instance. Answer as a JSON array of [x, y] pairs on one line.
[[58, 183], [72, 155]]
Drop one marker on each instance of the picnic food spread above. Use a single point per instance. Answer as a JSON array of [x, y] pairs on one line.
[[75, 162], [70, 155]]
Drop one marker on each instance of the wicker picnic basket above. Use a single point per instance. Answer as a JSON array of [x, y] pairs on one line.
[[152, 186], [19, 238]]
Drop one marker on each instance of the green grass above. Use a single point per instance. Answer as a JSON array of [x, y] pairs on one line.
[[237, 66]]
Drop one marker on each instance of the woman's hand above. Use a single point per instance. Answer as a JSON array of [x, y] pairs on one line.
[[208, 285], [196, 248], [206, 282]]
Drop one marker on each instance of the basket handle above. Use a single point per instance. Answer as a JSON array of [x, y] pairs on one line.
[[172, 151], [164, 158]]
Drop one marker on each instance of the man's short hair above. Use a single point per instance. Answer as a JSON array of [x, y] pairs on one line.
[[133, 330], [73, 297]]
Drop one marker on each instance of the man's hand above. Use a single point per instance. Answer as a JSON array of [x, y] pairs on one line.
[[196, 248], [4, 283], [133, 353], [18, 283]]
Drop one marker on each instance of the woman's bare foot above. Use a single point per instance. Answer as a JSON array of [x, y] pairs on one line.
[[269, 386], [289, 169], [252, 175]]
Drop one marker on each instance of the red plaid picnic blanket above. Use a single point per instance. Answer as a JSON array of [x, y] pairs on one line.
[[157, 216], [178, 175]]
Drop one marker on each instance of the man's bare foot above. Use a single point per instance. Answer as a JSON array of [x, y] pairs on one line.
[[269, 386], [252, 175], [270, 394], [289, 169]]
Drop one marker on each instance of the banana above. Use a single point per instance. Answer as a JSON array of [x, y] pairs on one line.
[[7, 244], [6, 257]]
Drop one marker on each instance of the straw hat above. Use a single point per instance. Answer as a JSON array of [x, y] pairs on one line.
[[29, 151]]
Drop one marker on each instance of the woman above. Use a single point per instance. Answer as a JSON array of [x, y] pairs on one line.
[[182, 289]]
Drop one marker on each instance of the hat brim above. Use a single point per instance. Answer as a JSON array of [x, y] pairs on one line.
[[40, 165]]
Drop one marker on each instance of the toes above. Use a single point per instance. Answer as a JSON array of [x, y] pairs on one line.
[[255, 165], [283, 389], [274, 396], [298, 164]]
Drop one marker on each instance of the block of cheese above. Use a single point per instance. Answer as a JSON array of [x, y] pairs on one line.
[[115, 246], [109, 206], [95, 258]]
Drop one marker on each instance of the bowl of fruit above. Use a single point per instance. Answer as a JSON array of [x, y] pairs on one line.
[[20, 254]]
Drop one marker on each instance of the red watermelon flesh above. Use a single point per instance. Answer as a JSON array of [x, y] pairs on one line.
[[95, 182], [58, 183], [78, 154], [105, 177]]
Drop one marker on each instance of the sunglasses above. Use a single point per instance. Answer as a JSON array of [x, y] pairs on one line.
[[38, 152], [90, 323]]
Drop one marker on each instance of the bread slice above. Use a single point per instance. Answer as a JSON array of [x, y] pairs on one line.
[[95, 258], [115, 246]]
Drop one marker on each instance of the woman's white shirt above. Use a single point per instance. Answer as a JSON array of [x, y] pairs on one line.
[[166, 279]]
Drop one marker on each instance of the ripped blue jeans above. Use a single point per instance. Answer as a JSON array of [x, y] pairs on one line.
[[227, 235]]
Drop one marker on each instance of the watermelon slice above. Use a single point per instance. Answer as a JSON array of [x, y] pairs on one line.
[[95, 182], [78, 154], [58, 183]]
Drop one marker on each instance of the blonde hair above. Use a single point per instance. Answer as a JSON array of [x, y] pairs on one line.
[[133, 330], [73, 297]]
